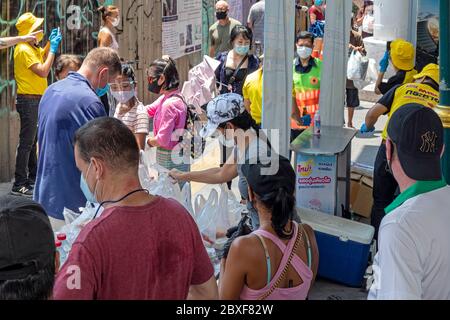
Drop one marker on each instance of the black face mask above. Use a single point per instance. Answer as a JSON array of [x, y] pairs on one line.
[[154, 87], [221, 15]]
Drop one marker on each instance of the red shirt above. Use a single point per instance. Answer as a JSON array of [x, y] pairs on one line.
[[149, 252], [319, 13]]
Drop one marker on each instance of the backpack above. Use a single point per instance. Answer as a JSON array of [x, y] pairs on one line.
[[192, 131]]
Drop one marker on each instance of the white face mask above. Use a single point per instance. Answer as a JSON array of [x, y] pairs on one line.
[[116, 22], [304, 52], [123, 96]]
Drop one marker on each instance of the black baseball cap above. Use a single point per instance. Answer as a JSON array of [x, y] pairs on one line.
[[27, 242], [264, 181], [418, 134]]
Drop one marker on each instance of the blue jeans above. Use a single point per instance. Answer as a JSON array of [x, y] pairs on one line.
[[26, 158]]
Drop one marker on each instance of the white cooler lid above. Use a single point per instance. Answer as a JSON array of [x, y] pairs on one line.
[[345, 229]]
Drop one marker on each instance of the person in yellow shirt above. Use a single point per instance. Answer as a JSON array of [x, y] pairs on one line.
[[31, 68], [252, 93], [401, 54], [424, 91]]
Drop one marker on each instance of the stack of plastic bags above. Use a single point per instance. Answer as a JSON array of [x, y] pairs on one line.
[[213, 215]]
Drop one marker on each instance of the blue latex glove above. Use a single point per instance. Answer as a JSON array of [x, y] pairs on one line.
[[55, 40], [384, 62], [306, 120], [364, 129], [53, 33]]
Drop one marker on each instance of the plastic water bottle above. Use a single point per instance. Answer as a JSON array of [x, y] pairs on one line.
[[317, 124], [65, 248]]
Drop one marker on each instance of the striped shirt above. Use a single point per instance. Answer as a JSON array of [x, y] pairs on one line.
[[136, 119]]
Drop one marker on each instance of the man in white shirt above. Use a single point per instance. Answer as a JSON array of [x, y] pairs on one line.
[[413, 260]]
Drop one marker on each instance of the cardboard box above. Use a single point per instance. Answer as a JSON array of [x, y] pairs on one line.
[[361, 198]]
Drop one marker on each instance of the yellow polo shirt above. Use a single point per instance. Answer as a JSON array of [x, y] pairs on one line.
[[252, 91], [26, 55]]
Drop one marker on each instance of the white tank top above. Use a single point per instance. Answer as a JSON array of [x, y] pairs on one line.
[[114, 44]]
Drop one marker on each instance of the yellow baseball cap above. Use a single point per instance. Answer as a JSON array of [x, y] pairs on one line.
[[28, 23], [431, 71], [402, 54]]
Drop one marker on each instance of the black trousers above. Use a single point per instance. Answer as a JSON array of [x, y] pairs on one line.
[[26, 158], [384, 188]]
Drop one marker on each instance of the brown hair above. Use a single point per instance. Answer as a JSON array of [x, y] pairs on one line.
[[106, 11], [104, 56], [67, 60]]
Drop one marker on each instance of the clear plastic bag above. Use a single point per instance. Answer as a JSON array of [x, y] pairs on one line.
[[72, 230], [69, 215], [186, 197], [165, 187], [235, 209], [357, 66], [371, 76], [230, 209], [199, 203], [207, 217]]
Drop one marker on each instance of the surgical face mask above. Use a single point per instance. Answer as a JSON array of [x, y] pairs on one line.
[[123, 96], [85, 188], [318, 3], [220, 15], [102, 91], [242, 50], [116, 22], [304, 52]]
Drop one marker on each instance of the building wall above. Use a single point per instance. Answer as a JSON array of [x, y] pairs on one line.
[[139, 36]]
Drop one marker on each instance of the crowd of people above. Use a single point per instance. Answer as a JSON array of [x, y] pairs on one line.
[[148, 247]]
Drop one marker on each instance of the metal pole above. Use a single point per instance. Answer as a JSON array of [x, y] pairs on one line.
[[279, 35], [444, 65]]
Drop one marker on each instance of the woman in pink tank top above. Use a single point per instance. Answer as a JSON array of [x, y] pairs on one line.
[[279, 260]]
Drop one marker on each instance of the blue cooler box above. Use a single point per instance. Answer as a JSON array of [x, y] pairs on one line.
[[344, 246]]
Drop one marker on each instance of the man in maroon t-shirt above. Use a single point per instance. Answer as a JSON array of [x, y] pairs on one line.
[[142, 246], [316, 12]]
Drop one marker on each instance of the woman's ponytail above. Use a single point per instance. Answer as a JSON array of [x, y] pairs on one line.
[[282, 204]]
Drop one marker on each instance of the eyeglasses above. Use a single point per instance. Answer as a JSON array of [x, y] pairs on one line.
[[121, 86]]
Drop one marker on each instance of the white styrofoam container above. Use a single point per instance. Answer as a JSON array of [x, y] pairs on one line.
[[342, 228]]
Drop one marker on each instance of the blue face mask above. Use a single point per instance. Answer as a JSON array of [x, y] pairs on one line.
[[242, 50], [102, 91], [85, 188], [318, 2]]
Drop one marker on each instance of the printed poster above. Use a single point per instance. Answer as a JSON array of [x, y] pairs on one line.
[[316, 183], [181, 27]]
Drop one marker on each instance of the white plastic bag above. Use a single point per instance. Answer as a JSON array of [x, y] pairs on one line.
[[371, 76], [146, 177], [165, 187], [72, 230], [69, 215], [199, 203], [207, 217], [223, 221], [230, 209], [357, 66], [368, 22], [235, 209], [186, 197]]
